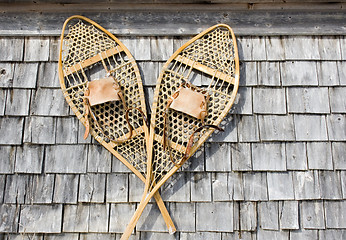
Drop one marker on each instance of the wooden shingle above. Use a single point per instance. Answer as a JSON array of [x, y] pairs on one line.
[[276, 128], [36, 49], [335, 214], [49, 102], [269, 234], [67, 130], [280, 186], [241, 157], [76, 218], [178, 188], [142, 49], [17, 189], [92, 188], [306, 185], [299, 73], [319, 155], [161, 48], [3, 95], [342, 72], [330, 185], [201, 187], [269, 100], [329, 48], [268, 157], [149, 72], [269, 215], [6, 74], [296, 156], [136, 187], [248, 74], [66, 188], [98, 218], [245, 48], [40, 130], [120, 215], [117, 188], [304, 234], [185, 215], [248, 216], [310, 128], [308, 100], [312, 215], [275, 48], [336, 127], [158, 236], [243, 101], [66, 159], [327, 73], [258, 48], [48, 75], [269, 74], [229, 125], [302, 48], [25, 75], [17, 103], [11, 49], [7, 159], [200, 236], [54, 45], [9, 215], [218, 157], [29, 159], [248, 128], [42, 188], [289, 214], [151, 219], [255, 186], [40, 218], [227, 186], [99, 159], [338, 99], [216, 217], [95, 236], [339, 155], [331, 234], [14, 130]]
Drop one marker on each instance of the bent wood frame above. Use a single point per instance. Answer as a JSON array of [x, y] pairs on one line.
[[110, 146], [147, 195]]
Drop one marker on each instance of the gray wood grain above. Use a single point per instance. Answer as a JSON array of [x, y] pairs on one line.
[[40, 218], [276, 128], [9, 214], [76, 218], [66, 130], [25, 75], [161, 48], [17, 103], [335, 214], [304, 234], [184, 213], [289, 215], [296, 156], [95, 236], [98, 218], [241, 157], [66, 159], [8, 158], [339, 155], [269, 215], [11, 49], [268, 157], [136, 187], [306, 185], [312, 214], [329, 48], [216, 217], [269, 100], [40, 130], [336, 127], [222, 188], [42, 188], [14, 130], [308, 100], [245, 47], [158, 236], [320, 155], [258, 49], [143, 49], [36, 49], [331, 234], [268, 74], [218, 157], [201, 187], [248, 216], [342, 72], [248, 74], [330, 183], [337, 99], [299, 73], [248, 130], [238, 235], [280, 186], [117, 188], [151, 220], [255, 186], [302, 48], [149, 72], [99, 159], [178, 188], [243, 101], [275, 48], [66, 188], [92, 188], [120, 215], [310, 128], [29, 159], [48, 75], [327, 73], [200, 236], [6, 74]]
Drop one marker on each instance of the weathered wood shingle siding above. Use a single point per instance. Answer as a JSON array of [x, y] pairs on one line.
[[277, 172]]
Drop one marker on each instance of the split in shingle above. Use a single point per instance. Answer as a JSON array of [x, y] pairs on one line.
[[255, 186], [29, 159], [330, 185], [177, 188], [269, 215], [92, 188], [336, 127], [268, 157], [275, 48], [66, 159], [40, 130], [7, 159], [6, 74], [339, 155], [289, 214], [224, 186], [302, 48], [9, 215], [343, 183], [117, 188], [248, 216], [17, 189], [11, 49], [215, 217], [269, 74], [269, 100], [306, 185], [327, 73], [320, 155], [329, 48], [280, 186], [276, 128], [241, 157], [40, 218], [201, 187], [310, 128], [25, 75], [312, 214], [36, 49], [308, 100], [299, 73], [335, 214], [3, 95], [296, 156], [120, 215], [218, 157], [66, 188], [76, 218]]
